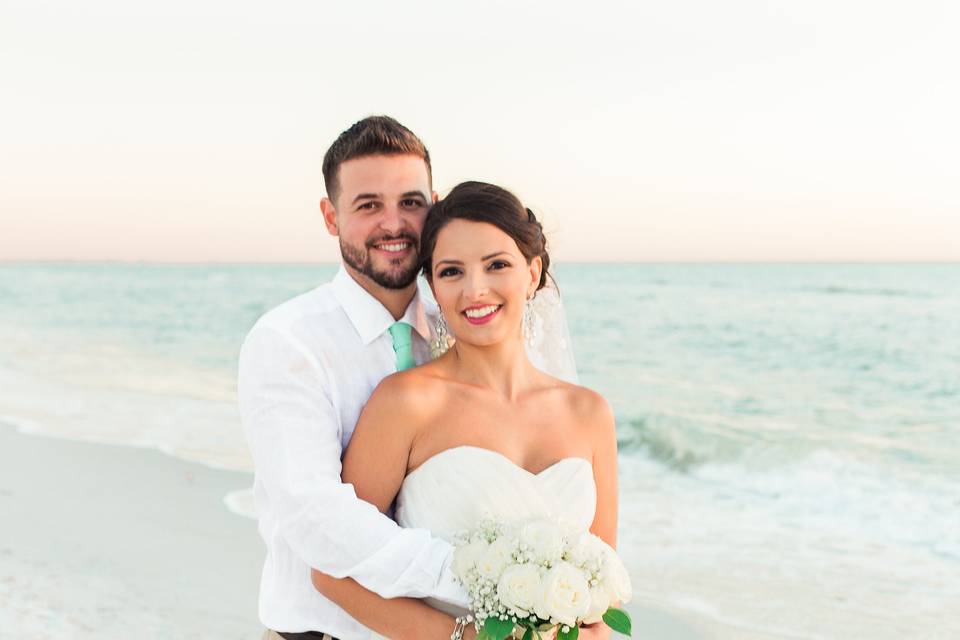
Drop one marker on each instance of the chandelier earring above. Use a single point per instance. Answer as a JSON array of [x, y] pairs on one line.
[[440, 344], [530, 333]]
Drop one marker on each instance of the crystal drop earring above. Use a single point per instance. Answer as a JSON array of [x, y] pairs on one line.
[[529, 324], [441, 343]]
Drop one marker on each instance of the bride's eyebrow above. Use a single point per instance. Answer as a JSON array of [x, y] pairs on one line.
[[452, 261]]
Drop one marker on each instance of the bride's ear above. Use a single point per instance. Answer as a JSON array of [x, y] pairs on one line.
[[536, 269]]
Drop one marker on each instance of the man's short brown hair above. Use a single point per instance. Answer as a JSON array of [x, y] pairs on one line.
[[374, 135]]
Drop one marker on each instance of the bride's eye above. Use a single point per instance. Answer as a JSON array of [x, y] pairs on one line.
[[449, 271], [499, 264]]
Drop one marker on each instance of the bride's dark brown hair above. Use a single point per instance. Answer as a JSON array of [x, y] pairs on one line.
[[483, 202]]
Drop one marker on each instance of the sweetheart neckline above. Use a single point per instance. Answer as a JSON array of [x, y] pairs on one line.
[[499, 455]]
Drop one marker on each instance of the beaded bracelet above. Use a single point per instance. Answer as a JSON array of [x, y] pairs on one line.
[[462, 622]]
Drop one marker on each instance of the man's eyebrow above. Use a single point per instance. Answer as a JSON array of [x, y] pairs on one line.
[[365, 196], [379, 196]]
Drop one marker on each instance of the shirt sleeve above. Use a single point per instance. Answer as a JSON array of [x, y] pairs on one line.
[[293, 431]]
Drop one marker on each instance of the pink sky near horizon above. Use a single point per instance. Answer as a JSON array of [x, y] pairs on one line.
[[754, 131]]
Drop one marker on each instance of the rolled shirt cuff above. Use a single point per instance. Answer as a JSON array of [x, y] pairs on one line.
[[448, 589]]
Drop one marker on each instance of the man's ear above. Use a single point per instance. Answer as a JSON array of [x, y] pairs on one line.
[[436, 197], [329, 216]]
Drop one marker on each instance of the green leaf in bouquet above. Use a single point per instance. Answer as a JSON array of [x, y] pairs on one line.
[[571, 633], [618, 620], [495, 629], [528, 634]]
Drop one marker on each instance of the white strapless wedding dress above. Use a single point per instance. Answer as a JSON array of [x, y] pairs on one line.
[[456, 488]]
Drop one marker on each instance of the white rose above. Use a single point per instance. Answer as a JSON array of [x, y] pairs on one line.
[[467, 557], [496, 557], [544, 539], [520, 587], [566, 594], [615, 577], [587, 550], [600, 601]]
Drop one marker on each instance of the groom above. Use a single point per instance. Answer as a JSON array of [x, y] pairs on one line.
[[306, 370]]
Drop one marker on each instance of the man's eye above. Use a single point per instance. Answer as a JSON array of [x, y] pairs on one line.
[[449, 271], [368, 206], [411, 203]]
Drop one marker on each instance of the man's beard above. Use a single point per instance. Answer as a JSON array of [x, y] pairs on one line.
[[360, 260]]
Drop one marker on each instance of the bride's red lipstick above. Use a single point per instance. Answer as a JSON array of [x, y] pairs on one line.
[[483, 319]]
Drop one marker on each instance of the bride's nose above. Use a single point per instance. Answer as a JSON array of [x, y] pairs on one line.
[[475, 286]]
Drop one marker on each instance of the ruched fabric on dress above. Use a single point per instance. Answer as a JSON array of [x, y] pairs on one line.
[[456, 488]]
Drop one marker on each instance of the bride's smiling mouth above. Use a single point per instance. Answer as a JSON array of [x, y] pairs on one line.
[[481, 314]]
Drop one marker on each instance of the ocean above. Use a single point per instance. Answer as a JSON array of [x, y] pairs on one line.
[[789, 434]]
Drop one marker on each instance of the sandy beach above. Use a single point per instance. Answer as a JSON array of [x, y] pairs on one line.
[[114, 542], [104, 541]]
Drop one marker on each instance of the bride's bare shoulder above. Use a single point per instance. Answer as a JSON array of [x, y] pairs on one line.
[[410, 393], [584, 405]]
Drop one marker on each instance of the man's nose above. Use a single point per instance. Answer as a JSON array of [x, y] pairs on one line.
[[390, 219]]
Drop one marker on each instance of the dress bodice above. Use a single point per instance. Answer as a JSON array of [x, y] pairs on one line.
[[456, 488], [452, 491]]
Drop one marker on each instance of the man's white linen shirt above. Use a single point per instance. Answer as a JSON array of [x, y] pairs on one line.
[[306, 370]]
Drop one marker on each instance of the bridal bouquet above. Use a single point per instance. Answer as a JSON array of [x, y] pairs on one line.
[[537, 576]]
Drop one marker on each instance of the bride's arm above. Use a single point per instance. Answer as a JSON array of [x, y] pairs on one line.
[[604, 431], [396, 618], [375, 463]]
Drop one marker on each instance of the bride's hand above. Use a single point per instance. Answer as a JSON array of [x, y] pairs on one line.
[[595, 631]]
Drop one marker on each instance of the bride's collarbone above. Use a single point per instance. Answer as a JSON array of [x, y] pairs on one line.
[[461, 415], [534, 400]]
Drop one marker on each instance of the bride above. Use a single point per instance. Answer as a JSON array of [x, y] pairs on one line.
[[479, 431]]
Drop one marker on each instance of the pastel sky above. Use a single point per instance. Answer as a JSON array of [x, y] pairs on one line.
[[689, 130]]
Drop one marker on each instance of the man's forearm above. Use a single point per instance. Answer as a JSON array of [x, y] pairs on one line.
[[347, 537]]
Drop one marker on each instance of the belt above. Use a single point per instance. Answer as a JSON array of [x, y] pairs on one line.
[[306, 635]]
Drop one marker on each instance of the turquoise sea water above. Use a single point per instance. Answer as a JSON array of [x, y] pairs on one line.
[[789, 434]]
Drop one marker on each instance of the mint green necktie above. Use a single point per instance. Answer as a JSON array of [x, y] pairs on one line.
[[402, 345]]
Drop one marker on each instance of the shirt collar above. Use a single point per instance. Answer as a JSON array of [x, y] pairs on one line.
[[368, 316]]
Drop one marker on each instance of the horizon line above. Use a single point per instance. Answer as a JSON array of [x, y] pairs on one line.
[[324, 263]]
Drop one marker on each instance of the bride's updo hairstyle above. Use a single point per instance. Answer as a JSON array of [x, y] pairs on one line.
[[483, 202]]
